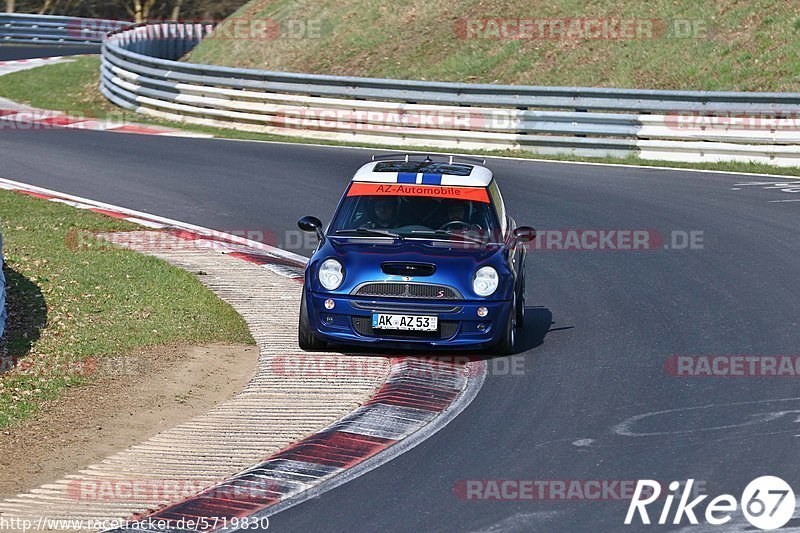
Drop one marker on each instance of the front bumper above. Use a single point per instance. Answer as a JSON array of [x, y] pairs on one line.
[[460, 327]]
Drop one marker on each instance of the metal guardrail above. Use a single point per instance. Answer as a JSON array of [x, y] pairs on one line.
[[140, 72], [49, 29]]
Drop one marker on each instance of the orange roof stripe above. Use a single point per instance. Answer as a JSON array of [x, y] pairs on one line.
[[476, 194]]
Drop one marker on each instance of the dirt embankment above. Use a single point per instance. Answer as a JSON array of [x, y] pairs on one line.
[[132, 399]]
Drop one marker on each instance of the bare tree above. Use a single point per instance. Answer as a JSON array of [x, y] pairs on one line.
[[9, 6], [58, 7], [176, 10], [140, 10]]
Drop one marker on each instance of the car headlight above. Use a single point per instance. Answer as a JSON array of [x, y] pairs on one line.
[[485, 281], [331, 274]]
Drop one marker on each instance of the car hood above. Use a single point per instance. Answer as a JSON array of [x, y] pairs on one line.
[[366, 261]]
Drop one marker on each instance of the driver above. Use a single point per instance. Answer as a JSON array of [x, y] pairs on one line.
[[385, 211], [456, 211]]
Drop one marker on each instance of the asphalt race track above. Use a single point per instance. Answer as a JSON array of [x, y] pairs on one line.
[[604, 323]]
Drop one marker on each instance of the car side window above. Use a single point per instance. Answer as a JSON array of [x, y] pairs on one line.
[[499, 206]]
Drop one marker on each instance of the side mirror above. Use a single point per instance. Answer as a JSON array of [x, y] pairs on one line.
[[311, 224], [525, 234]]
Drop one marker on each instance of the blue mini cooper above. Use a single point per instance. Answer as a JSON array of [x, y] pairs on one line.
[[420, 254]]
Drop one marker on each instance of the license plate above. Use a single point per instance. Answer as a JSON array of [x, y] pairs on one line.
[[405, 322]]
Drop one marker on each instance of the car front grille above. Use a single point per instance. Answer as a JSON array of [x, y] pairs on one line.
[[363, 326], [404, 307], [408, 290]]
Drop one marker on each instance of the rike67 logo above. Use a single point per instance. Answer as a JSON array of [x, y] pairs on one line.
[[767, 502]]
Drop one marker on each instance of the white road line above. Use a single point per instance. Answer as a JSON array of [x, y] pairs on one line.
[[758, 183], [10, 184], [18, 65]]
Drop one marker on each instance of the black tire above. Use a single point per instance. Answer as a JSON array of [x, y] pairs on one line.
[[508, 341], [521, 304], [305, 336]]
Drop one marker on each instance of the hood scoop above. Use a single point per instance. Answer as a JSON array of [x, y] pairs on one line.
[[408, 269]]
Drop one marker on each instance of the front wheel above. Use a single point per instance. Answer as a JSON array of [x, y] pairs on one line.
[[509, 339], [306, 338], [521, 305]]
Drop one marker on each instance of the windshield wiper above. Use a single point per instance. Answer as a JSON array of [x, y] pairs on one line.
[[368, 231], [442, 233]]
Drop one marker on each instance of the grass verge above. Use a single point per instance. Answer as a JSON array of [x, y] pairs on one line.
[[73, 88], [70, 305]]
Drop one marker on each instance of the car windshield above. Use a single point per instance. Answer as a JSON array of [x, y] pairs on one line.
[[415, 217]]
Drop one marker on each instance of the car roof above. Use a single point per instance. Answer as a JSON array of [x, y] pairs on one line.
[[424, 173]]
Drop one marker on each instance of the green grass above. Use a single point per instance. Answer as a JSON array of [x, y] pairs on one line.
[[70, 303], [69, 87], [720, 45], [74, 89]]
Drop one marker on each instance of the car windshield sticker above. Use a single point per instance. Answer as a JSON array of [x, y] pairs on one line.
[[476, 194]]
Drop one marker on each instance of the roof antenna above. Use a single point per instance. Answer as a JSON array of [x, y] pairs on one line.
[[428, 159]]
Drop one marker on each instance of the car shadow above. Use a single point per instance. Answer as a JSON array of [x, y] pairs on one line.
[[27, 315], [538, 321]]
